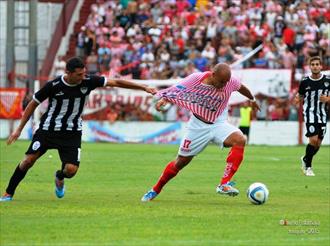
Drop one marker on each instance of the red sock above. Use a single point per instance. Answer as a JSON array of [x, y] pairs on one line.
[[234, 160], [169, 172]]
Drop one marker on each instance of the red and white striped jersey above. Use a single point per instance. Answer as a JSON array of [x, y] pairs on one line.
[[206, 101]]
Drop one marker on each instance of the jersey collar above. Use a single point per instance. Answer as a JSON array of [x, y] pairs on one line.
[[310, 77], [66, 83]]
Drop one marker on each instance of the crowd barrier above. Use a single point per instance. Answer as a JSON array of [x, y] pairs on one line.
[[277, 133]]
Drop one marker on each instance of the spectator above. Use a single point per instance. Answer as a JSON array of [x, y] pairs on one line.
[[104, 55], [59, 66], [289, 59], [92, 64], [81, 42], [200, 62], [89, 42]]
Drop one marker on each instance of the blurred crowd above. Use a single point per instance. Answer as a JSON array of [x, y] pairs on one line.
[[146, 39], [153, 39]]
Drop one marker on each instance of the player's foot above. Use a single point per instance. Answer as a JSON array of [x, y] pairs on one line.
[[151, 194], [59, 187], [303, 164], [6, 197], [309, 172], [227, 189]]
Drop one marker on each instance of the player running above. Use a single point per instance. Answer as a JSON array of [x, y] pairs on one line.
[[61, 125], [206, 95], [314, 91]]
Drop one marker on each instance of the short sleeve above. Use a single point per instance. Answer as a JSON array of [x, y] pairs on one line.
[[97, 81], [301, 89], [234, 84], [43, 93]]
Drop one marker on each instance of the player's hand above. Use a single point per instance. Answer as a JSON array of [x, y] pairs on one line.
[[296, 100], [254, 105], [325, 99], [151, 90], [161, 104], [14, 136]]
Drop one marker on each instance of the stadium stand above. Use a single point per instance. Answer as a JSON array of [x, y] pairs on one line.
[[170, 39], [167, 39]]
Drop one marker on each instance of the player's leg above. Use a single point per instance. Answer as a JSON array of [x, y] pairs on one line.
[[315, 134], [170, 171], [229, 136], [237, 142], [193, 142], [19, 174], [69, 149], [311, 149], [36, 149], [70, 164]]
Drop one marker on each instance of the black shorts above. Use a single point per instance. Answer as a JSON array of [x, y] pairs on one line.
[[68, 145], [245, 130], [316, 129]]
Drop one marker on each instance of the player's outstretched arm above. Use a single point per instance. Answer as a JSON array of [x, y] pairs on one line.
[[26, 116], [130, 85], [247, 93]]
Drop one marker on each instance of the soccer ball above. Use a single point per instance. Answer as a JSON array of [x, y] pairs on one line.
[[257, 193]]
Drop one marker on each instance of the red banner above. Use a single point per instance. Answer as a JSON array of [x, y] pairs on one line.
[[11, 100]]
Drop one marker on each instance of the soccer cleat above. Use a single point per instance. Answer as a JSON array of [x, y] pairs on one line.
[[227, 189], [59, 187], [6, 197], [309, 172], [151, 194], [303, 165]]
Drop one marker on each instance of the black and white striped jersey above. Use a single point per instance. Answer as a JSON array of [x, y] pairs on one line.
[[66, 102], [310, 89]]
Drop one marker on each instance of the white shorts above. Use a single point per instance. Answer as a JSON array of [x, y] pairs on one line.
[[199, 134]]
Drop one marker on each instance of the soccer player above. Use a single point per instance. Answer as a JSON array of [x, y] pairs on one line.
[[206, 95], [61, 125], [314, 91]]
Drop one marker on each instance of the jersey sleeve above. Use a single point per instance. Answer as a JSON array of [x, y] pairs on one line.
[[97, 81], [43, 93], [301, 89], [182, 85], [190, 79], [235, 84]]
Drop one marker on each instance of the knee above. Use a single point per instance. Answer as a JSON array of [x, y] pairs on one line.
[[27, 163], [70, 170], [314, 142], [240, 140], [182, 161]]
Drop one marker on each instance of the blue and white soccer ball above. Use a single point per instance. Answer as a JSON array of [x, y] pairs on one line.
[[257, 193]]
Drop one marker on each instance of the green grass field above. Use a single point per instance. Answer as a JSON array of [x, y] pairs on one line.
[[102, 203]]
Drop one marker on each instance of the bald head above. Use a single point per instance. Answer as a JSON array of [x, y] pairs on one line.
[[222, 69], [221, 75]]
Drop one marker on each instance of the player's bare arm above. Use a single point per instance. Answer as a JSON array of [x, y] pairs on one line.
[[296, 99], [325, 99], [130, 85], [247, 93], [26, 116]]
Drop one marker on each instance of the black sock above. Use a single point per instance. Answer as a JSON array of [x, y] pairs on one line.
[[310, 152], [60, 175], [15, 179]]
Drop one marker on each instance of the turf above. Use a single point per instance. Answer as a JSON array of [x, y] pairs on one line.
[[102, 203]]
